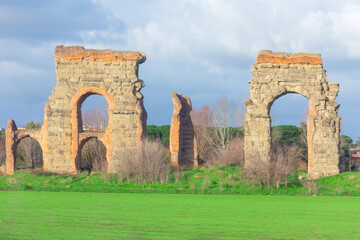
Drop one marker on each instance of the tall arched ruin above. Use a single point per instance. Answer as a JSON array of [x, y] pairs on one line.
[[276, 74], [81, 73]]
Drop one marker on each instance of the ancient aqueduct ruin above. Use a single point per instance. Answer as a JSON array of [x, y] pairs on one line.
[[114, 75]]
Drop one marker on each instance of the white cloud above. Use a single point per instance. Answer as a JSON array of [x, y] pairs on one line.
[[193, 29], [203, 47]]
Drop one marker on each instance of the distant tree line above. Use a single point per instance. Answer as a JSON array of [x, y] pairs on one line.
[[161, 133]]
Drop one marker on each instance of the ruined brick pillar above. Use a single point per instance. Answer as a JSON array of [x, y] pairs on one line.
[[182, 136], [276, 74], [10, 146]]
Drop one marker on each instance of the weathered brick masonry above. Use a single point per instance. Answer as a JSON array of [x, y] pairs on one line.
[[182, 136], [114, 75], [81, 73], [276, 74]]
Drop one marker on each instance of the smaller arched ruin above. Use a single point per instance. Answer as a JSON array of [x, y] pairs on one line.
[[13, 136], [276, 74]]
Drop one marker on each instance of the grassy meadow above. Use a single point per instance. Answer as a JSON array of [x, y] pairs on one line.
[[71, 215], [201, 203], [204, 180]]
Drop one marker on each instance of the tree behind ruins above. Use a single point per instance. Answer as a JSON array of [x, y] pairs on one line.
[[216, 126]]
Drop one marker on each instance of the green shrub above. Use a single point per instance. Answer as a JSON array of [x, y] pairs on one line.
[[33, 125]]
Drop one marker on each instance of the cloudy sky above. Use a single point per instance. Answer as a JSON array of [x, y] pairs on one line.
[[200, 48]]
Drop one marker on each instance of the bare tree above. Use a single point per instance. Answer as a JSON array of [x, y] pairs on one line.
[[258, 171], [284, 159], [225, 115], [96, 119], [215, 127], [148, 163], [276, 135], [29, 154], [93, 156], [233, 154], [303, 141], [202, 121]]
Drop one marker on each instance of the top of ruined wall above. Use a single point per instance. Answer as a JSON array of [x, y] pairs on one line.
[[267, 56], [182, 104], [80, 53]]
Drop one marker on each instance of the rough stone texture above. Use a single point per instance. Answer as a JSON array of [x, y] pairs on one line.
[[276, 74], [81, 73], [182, 136]]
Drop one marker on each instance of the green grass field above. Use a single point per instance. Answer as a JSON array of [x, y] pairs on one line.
[[219, 180], [69, 215]]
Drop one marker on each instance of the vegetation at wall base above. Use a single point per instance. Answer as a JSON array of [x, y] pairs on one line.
[[204, 180]]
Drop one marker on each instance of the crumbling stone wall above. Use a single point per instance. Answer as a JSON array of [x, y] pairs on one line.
[[276, 74], [182, 136], [81, 73]]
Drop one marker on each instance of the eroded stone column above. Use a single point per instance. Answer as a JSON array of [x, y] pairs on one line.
[[10, 146], [182, 136]]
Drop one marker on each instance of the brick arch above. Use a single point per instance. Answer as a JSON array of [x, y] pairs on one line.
[[271, 99], [13, 138], [78, 99], [75, 105], [84, 139], [32, 135], [277, 74], [29, 134]]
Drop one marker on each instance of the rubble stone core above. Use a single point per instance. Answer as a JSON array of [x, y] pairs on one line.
[[81, 73], [275, 75], [182, 136]]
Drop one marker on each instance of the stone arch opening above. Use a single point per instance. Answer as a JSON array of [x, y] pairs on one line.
[[277, 74], [288, 95], [78, 135], [94, 113], [92, 155], [78, 100], [28, 153], [289, 115]]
